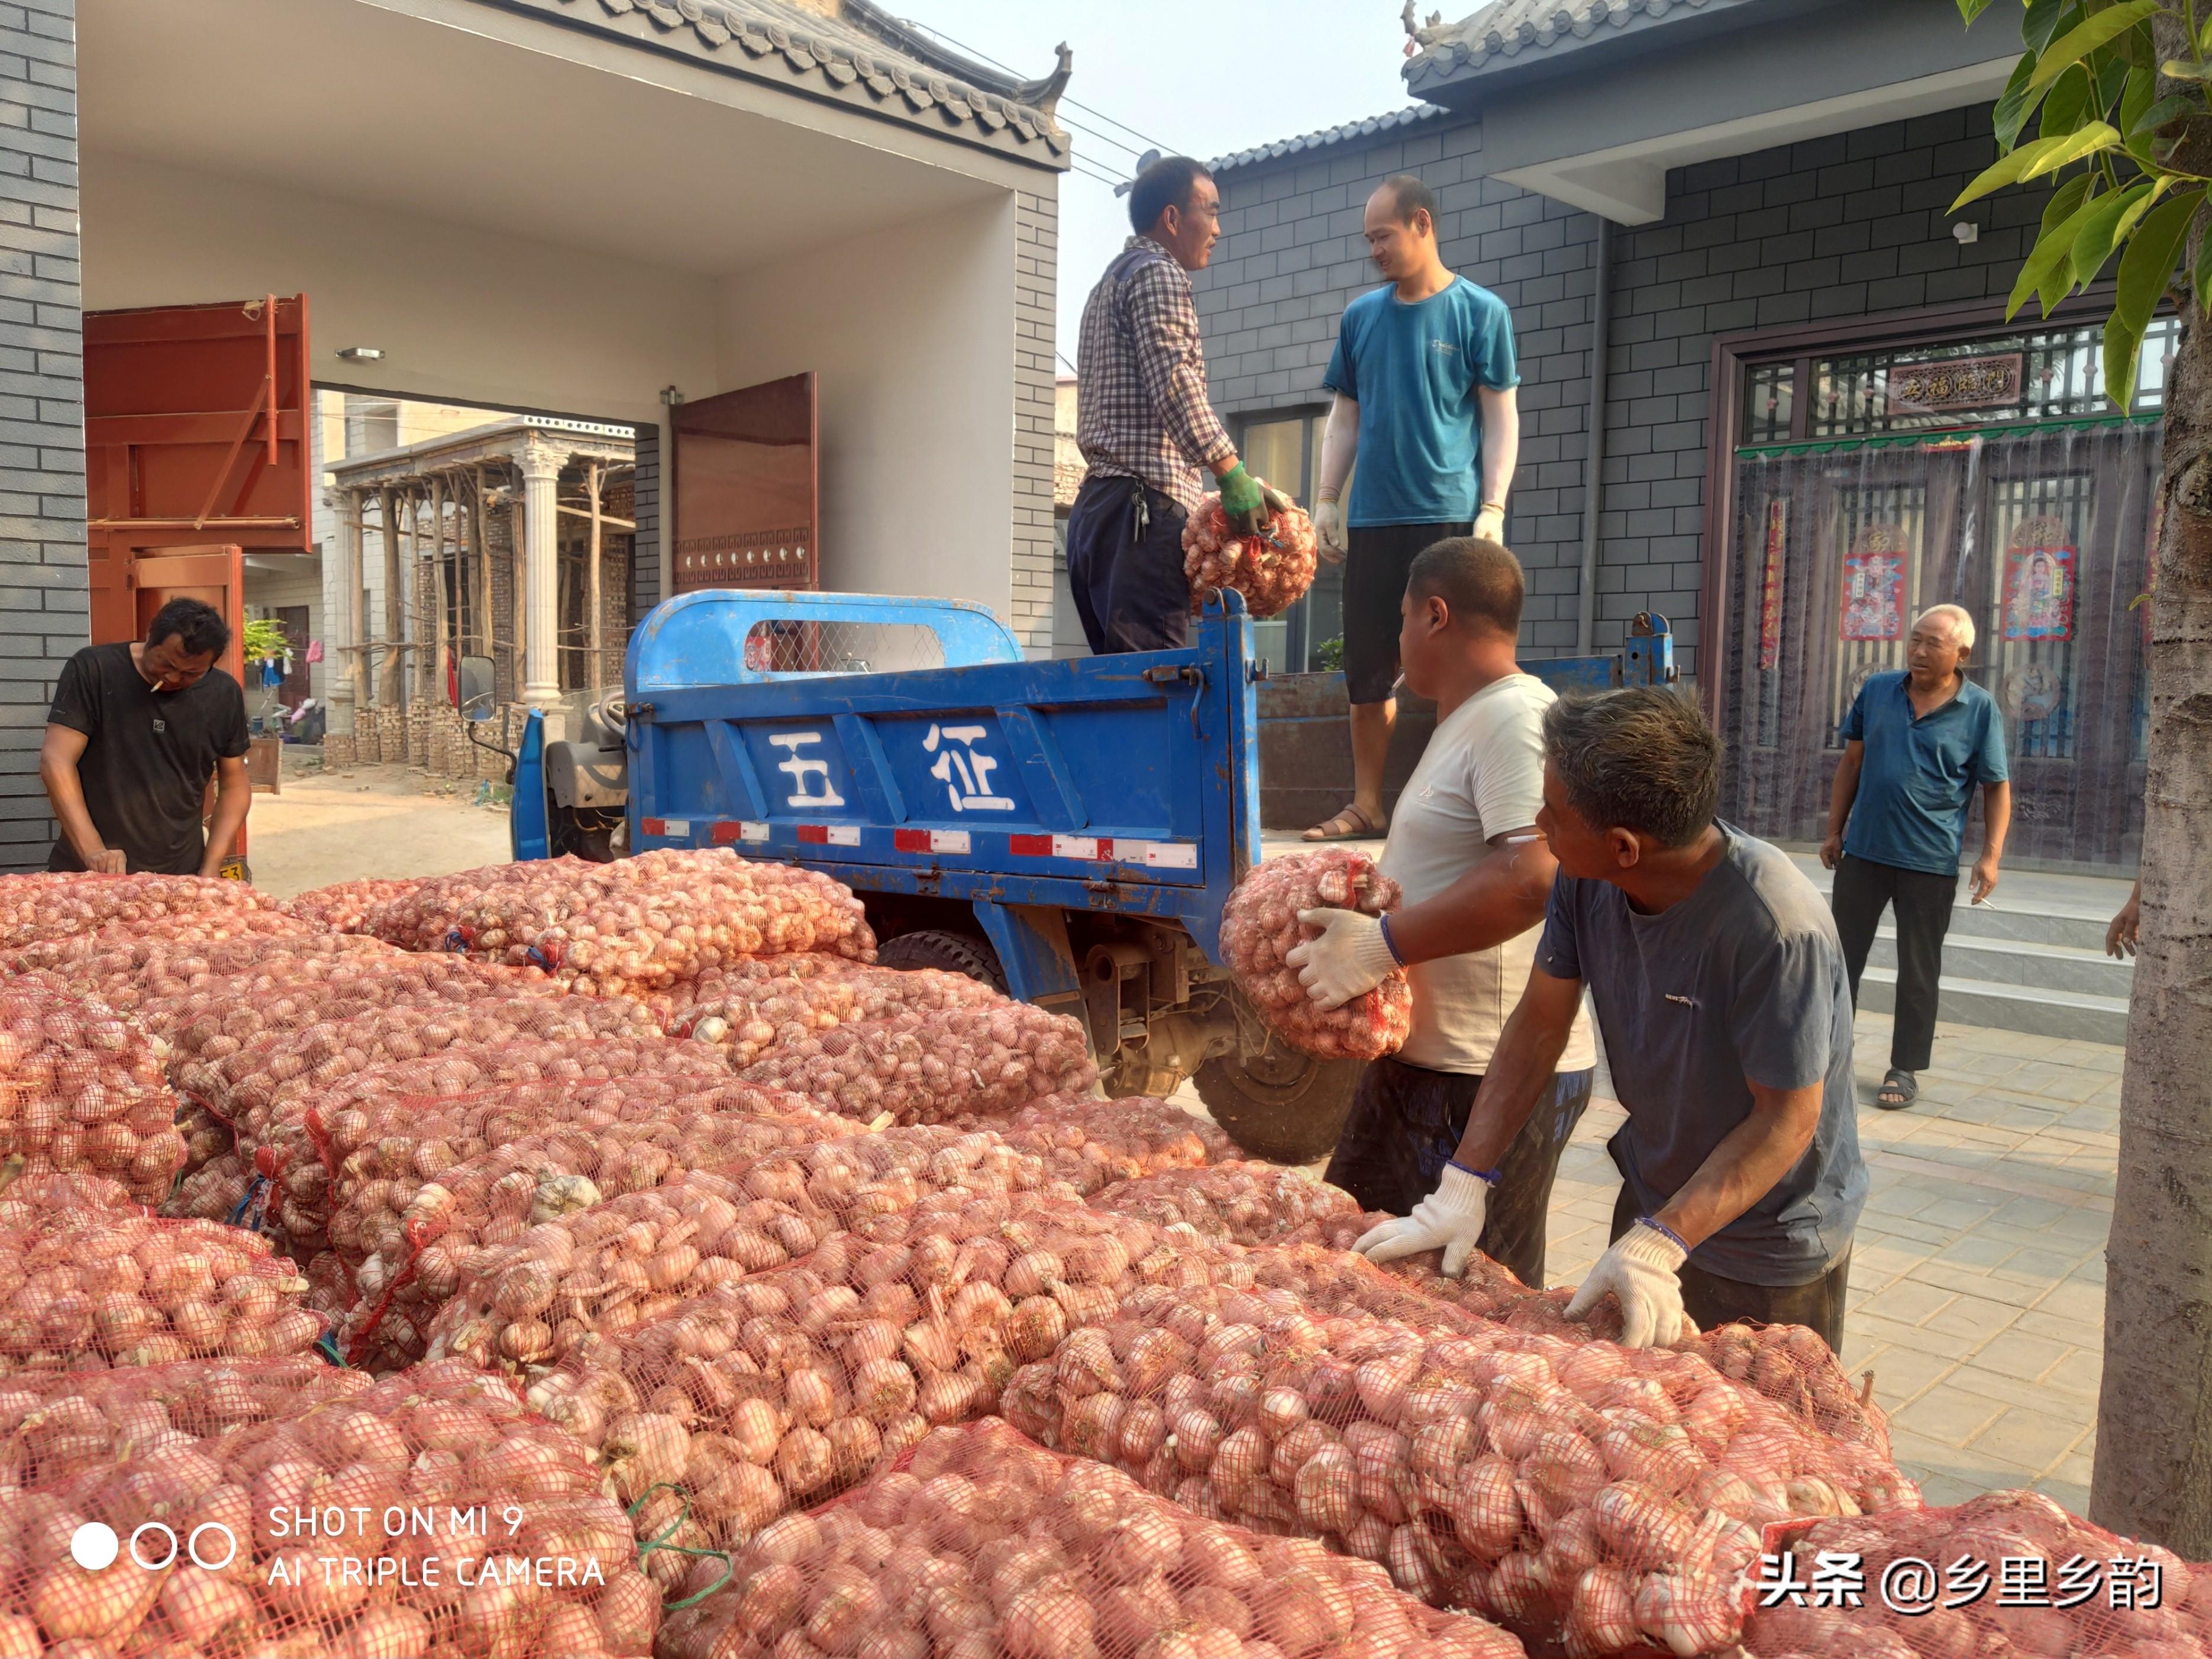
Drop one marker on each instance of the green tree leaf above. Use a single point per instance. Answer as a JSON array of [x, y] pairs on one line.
[[2032, 160], [2041, 22], [2145, 270], [1969, 9], [2066, 106], [2048, 269], [2087, 36], [2181, 69], [2106, 225], [2015, 104]]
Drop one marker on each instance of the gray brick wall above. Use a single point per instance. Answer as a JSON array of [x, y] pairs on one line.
[[1037, 255], [1851, 225], [42, 614]]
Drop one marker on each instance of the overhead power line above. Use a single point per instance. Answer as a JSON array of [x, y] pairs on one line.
[[1070, 103]]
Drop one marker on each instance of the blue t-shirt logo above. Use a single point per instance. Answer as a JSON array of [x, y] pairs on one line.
[[1417, 371]]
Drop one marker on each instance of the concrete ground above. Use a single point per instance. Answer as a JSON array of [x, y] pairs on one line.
[[370, 821]]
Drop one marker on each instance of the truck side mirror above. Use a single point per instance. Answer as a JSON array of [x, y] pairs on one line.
[[475, 688]]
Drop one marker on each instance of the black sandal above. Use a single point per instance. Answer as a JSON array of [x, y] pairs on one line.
[[1350, 824], [1898, 1090]]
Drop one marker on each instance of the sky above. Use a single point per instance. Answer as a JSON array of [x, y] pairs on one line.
[[1203, 77]]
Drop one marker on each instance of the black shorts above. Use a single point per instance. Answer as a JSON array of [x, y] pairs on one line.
[[1374, 566]]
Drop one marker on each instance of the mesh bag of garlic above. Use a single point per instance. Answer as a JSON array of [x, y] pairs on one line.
[[1095, 1143], [279, 1073], [54, 907], [344, 905], [82, 1091], [930, 1067], [2074, 1589], [124, 967], [982, 1544], [1788, 1363], [407, 1257], [1244, 1202], [749, 1016], [782, 1389], [639, 924], [620, 1263], [1272, 570], [216, 1453], [1547, 1485], [80, 1194], [394, 1124], [1259, 927], [80, 1290]]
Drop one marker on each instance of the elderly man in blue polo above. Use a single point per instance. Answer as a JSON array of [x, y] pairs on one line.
[[1916, 746]]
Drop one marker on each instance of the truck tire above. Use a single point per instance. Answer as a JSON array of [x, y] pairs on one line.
[[955, 953], [1283, 1106]]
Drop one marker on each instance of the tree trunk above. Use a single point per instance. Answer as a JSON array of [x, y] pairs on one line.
[[2153, 1465]]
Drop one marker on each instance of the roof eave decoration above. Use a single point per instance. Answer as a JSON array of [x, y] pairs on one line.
[[1441, 53], [1350, 132], [879, 64]]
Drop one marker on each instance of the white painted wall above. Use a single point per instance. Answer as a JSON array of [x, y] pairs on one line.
[[275, 580], [910, 333]]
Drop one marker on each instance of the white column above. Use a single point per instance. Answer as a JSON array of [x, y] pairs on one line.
[[343, 670], [541, 674]]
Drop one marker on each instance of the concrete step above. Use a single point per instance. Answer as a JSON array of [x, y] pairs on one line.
[[2017, 961], [2075, 1015], [2061, 911]]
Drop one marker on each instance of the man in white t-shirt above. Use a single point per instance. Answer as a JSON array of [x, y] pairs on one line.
[[1477, 875]]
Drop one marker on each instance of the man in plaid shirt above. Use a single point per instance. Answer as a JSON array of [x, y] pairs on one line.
[[1144, 424]]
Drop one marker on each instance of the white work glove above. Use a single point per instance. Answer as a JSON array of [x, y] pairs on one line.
[[1641, 1269], [1350, 957], [1490, 524], [1449, 1218], [1328, 530]]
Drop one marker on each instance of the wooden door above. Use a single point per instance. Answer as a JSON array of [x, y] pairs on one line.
[[745, 488]]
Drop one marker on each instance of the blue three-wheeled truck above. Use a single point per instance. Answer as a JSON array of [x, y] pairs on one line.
[[1065, 829]]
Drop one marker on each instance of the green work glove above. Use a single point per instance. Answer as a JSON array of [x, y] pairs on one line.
[[1240, 502]]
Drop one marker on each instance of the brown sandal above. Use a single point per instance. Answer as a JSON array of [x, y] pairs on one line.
[[1351, 824]]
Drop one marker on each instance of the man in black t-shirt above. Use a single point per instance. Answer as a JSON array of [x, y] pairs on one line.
[[134, 734]]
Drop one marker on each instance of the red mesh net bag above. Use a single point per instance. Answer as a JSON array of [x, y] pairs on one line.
[[1259, 927], [1494, 1471], [408, 1257], [1094, 1143], [750, 1016], [639, 924], [75, 1194], [1788, 1363], [982, 1544], [371, 1152], [781, 1390], [930, 1067], [1272, 570], [344, 905], [83, 1289], [82, 1091], [619, 1263], [1243, 1202], [282, 1071], [122, 966], [2010, 1572], [450, 1496], [52, 907]]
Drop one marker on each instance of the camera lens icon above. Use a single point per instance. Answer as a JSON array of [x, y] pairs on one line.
[[210, 1546]]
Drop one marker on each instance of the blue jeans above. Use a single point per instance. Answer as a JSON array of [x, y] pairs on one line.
[[1406, 1123]]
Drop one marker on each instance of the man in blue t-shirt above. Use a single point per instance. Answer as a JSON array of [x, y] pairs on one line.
[[1424, 377], [1915, 745]]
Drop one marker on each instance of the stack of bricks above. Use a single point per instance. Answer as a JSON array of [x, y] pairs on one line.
[[391, 735], [418, 734], [339, 750], [367, 739]]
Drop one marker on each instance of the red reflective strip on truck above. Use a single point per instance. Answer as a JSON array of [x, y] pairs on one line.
[[723, 833], [814, 835], [653, 826], [1036, 847]]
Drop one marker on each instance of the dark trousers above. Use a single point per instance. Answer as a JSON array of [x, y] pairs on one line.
[[1406, 1123], [1923, 904], [1712, 1300], [1125, 567]]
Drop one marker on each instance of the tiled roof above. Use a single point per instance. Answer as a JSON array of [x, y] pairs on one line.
[[848, 50], [1508, 29], [1410, 115]]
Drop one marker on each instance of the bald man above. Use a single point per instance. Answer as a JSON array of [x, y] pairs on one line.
[[1915, 746]]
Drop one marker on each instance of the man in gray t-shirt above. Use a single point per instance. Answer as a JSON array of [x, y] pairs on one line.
[[1720, 987]]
